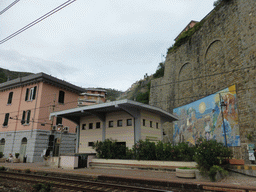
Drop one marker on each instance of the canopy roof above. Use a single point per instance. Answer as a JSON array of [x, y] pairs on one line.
[[115, 106]]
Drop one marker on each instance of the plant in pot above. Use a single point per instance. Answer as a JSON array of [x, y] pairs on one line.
[[17, 160], [2, 160], [186, 172]]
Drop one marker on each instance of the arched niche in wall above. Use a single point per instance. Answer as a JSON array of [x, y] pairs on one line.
[[214, 63], [185, 83]]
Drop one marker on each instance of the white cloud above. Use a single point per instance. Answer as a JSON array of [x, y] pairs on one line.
[[101, 43]]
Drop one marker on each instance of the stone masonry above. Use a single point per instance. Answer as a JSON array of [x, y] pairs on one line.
[[222, 53]]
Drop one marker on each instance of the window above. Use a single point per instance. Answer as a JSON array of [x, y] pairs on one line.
[[90, 125], [10, 98], [97, 125], [61, 97], [151, 124], [119, 123], [83, 126], [6, 119], [90, 144], [59, 121], [129, 122], [111, 124], [30, 94], [25, 117], [157, 125], [144, 122]]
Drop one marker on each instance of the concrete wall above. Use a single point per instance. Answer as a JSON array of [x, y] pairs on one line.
[[221, 54]]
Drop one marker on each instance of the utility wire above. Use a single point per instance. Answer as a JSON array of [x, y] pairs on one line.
[[37, 20], [9, 6]]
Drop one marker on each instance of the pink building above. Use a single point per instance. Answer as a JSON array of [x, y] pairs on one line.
[[25, 105], [190, 25], [92, 96]]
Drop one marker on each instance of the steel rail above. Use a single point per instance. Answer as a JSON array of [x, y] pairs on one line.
[[74, 184]]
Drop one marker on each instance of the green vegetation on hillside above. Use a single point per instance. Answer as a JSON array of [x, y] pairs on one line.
[[140, 91], [186, 36], [112, 94], [6, 74]]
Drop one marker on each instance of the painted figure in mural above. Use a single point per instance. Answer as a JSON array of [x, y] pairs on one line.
[[207, 118]]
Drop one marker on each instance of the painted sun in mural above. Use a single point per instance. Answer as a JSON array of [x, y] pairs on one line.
[[202, 107]]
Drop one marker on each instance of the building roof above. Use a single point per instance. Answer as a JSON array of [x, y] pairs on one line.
[[115, 106], [22, 81], [95, 89]]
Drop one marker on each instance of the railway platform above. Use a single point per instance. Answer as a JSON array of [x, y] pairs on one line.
[[234, 182]]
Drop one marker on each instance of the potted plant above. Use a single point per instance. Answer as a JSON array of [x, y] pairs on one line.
[[16, 160], [186, 172], [2, 159]]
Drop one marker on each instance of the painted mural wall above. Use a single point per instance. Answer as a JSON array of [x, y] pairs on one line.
[[208, 118]]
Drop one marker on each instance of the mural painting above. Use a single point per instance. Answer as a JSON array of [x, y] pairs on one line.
[[208, 118]]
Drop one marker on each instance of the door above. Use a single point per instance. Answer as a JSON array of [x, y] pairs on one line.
[[23, 148]]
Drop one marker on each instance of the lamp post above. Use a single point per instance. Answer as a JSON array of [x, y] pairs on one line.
[[61, 130], [223, 104]]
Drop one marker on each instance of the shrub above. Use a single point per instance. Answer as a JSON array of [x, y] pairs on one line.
[[210, 153], [17, 155], [160, 71], [27, 171], [145, 150], [218, 2], [2, 168], [1, 154], [42, 187], [213, 171], [186, 168], [110, 149]]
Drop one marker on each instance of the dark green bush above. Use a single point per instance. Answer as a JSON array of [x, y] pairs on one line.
[[27, 171], [2, 168], [1, 154], [42, 187], [145, 150], [159, 71], [210, 153], [110, 149]]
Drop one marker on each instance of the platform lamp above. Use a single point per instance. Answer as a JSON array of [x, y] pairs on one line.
[[223, 104], [60, 129]]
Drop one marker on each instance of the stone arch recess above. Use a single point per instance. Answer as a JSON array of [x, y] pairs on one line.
[[185, 82], [215, 66]]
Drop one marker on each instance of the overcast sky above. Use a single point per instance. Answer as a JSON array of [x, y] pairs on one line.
[[99, 43]]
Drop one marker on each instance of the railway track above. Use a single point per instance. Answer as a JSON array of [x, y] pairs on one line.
[[74, 184]]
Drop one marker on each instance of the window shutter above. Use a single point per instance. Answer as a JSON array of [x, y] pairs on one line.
[[27, 92], [23, 117], [34, 93], [28, 116], [10, 98], [6, 119]]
